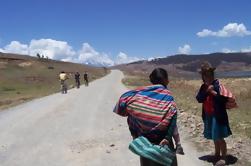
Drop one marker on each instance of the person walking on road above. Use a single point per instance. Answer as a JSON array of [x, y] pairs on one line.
[[215, 99], [77, 79], [63, 77], [151, 112], [86, 79]]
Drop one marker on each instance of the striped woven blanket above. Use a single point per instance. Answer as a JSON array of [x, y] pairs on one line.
[[159, 154], [150, 111], [231, 103]]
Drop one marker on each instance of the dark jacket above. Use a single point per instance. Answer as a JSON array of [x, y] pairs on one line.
[[77, 76], [219, 103]]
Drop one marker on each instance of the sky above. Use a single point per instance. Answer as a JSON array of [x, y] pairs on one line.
[[108, 32]]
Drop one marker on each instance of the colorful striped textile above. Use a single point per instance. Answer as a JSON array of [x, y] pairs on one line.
[[150, 111], [231, 103], [159, 154]]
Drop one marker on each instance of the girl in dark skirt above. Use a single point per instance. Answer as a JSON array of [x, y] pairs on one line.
[[215, 99]]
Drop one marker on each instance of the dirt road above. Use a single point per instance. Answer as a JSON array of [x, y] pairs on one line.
[[76, 129]]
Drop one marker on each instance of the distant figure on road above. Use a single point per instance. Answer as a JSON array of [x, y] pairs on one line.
[[86, 79], [63, 77], [151, 113], [215, 99], [77, 79]]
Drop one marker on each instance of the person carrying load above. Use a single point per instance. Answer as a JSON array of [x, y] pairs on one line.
[[63, 77]]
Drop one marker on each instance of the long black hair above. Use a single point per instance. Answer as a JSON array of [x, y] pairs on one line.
[[159, 76]]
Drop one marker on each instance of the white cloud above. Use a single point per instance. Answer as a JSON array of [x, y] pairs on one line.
[[186, 49], [246, 49], [48, 47], [226, 50], [123, 58], [61, 50], [229, 30], [54, 49], [206, 32], [16, 47], [151, 59], [1, 50], [89, 55], [69, 59]]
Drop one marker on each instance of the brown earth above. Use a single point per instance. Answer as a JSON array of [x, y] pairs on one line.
[[23, 78]]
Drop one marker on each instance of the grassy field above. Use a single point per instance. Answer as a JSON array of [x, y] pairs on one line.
[[190, 121], [185, 91], [23, 80], [239, 118]]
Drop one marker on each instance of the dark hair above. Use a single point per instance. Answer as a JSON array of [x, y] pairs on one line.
[[159, 76], [208, 73]]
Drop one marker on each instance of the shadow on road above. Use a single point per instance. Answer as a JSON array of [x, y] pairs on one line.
[[212, 159]]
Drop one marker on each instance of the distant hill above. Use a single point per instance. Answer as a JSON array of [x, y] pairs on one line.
[[25, 77], [193, 62], [16, 60], [188, 65], [11, 56]]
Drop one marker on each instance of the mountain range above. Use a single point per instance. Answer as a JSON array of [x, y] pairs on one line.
[[188, 65]]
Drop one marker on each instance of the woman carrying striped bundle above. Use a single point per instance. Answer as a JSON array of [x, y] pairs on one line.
[[151, 112]]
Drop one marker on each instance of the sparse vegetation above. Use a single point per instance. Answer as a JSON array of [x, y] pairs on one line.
[[26, 78], [184, 92]]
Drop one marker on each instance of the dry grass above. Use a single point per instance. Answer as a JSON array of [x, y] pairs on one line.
[[185, 91], [134, 81], [23, 80]]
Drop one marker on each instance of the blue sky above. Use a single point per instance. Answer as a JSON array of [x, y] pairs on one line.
[[124, 29]]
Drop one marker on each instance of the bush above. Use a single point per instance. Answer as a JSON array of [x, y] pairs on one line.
[[50, 67]]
